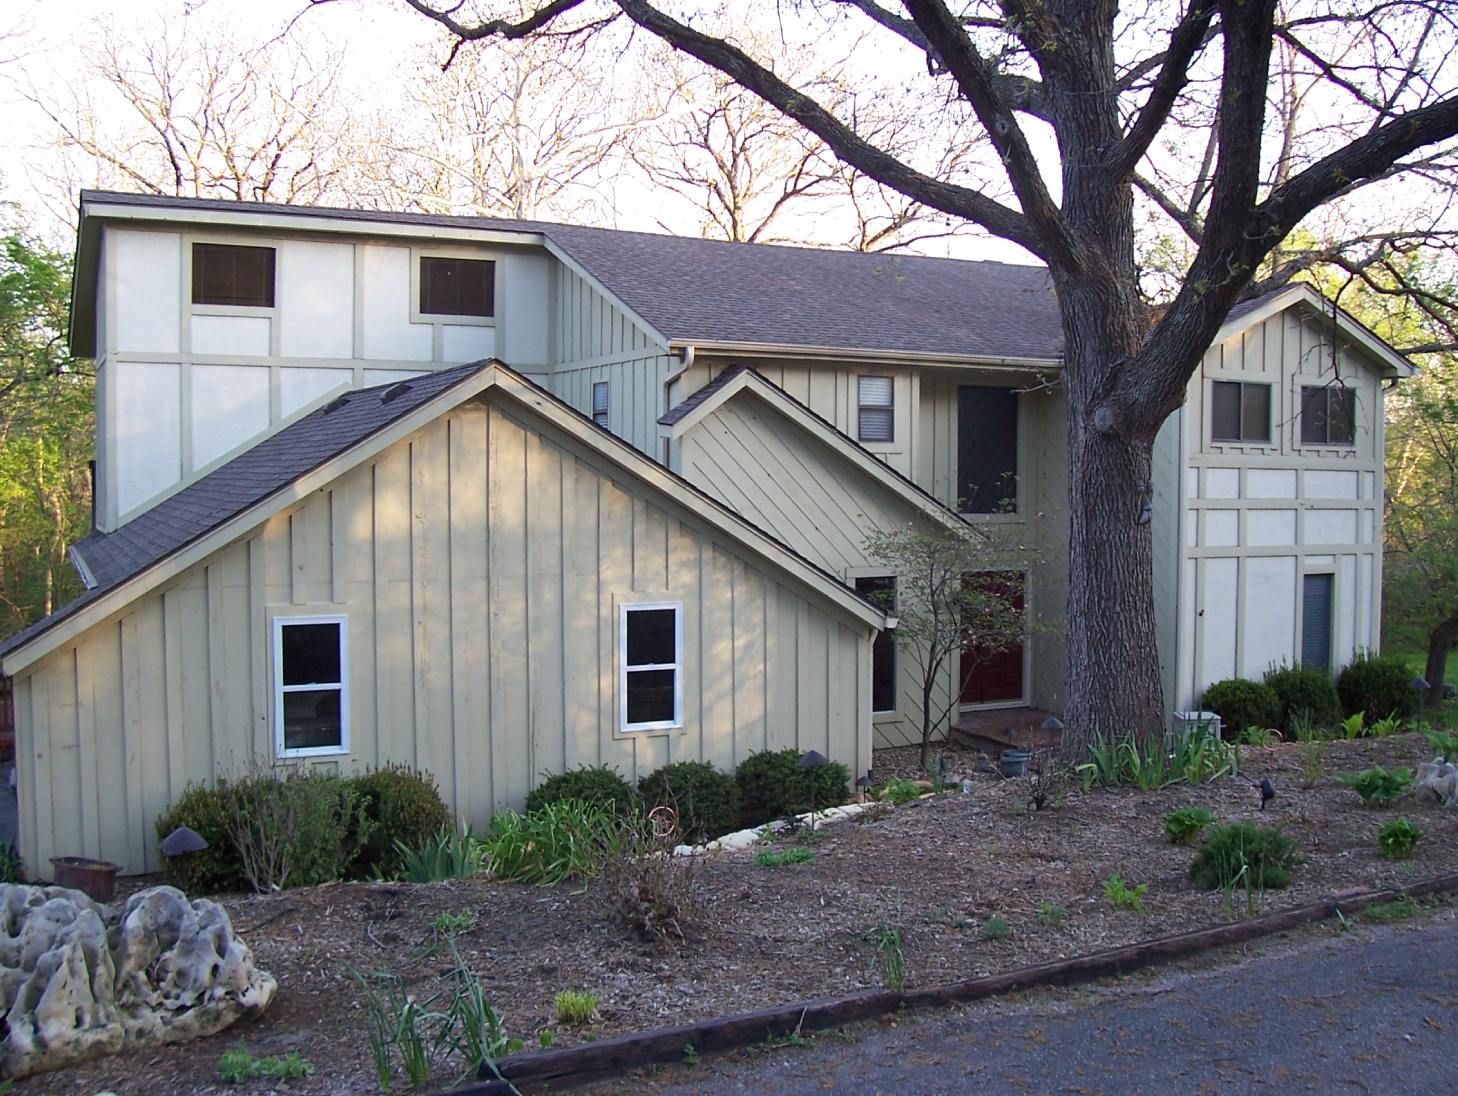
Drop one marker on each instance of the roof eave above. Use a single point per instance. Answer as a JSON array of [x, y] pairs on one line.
[[854, 353]]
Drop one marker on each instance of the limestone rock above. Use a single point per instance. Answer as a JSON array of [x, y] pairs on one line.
[[79, 979], [1437, 782]]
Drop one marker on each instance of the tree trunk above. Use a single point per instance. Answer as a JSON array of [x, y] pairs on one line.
[[1440, 642]]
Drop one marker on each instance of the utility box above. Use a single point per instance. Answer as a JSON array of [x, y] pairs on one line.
[[1185, 724]]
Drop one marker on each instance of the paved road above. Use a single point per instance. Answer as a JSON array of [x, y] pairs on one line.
[[1374, 1010]]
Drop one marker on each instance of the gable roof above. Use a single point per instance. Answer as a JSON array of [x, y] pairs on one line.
[[1246, 314], [739, 378], [692, 291], [312, 452]]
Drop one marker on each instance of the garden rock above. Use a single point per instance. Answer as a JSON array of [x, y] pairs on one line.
[[1437, 782], [79, 979]]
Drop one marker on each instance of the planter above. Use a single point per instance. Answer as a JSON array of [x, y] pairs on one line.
[[1015, 762], [94, 878]]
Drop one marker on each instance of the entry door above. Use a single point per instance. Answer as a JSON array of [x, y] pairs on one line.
[[995, 677], [1316, 612]]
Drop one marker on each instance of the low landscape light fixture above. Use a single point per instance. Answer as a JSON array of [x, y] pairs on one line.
[[864, 783], [1420, 686], [182, 841], [812, 760]]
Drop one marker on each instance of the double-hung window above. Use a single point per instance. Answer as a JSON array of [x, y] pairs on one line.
[[311, 702], [1328, 415], [650, 666], [1240, 412], [876, 403], [600, 403]]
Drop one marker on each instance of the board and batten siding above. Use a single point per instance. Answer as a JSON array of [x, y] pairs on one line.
[[480, 564]]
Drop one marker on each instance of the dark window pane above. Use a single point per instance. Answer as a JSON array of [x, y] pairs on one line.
[[227, 274], [652, 637], [1341, 422], [1316, 606], [1255, 412], [987, 449], [311, 719], [1313, 416], [650, 696], [457, 287], [881, 589], [1225, 411], [877, 424], [310, 654], [600, 403]]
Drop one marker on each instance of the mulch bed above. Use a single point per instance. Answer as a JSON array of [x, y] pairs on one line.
[[937, 868]]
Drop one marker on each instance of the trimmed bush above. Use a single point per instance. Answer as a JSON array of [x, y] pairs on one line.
[[1242, 703], [593, 784], [403, 808], [1378, 686], [1311, 691], [1246, 855], [706, 800], [773, 785], [215, 869]]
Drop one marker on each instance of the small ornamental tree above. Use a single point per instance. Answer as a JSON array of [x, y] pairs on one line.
[[955, 608]]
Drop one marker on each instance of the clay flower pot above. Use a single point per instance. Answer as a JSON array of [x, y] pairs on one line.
[[94, 878]]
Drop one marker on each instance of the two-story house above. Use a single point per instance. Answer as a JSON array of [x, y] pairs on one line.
[[498, 498]]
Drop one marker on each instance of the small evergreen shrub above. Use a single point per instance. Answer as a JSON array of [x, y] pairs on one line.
[[705, 799], [404, 809], [1378, 686], [1244, 854], [597, 784], [1398, 838], [1242, 703], [217, 868], [1304, 694], [772, 785]]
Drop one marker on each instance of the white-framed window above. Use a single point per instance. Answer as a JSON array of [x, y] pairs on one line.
[[310, 700], [650, 665], [876, 404], [600, 403]]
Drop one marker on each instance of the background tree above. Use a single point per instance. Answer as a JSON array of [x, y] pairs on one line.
[[1114, 90]]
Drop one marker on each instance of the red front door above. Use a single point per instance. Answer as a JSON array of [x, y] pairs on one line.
[[995, 677]]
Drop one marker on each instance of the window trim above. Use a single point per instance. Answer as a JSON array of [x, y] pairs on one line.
[[607, 405], [1242, 385], [624, 609], [1301, 389], [893, 712], [279, 623], [442, 319], [861, 408]]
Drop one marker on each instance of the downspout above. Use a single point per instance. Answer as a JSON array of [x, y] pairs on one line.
[[686, 359]]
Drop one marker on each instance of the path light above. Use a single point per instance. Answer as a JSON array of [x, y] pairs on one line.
[[1052, 723], [1420, 686], [865, 783], [813, 760], [182, 841]]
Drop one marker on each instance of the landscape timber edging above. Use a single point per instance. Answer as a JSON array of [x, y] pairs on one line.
[[609, 1057]]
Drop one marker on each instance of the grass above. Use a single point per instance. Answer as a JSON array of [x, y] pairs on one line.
[[575, 1008], [237, 1067], [1399, 909], [1416, 660], [779, 858]]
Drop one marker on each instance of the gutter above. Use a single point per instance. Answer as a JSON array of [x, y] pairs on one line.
[[833, 353], [686, 355]]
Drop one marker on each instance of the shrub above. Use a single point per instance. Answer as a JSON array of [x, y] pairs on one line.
[[404, 808], [1184, 825], [648, 889], [705, 799], [12, 864], [216, 868], [575, 1008], [1304, 692], [565, 839], [1398, 838], [1378, 686], [1122, 896], [597, 784], [900, 791], [772, 785], [1242, 703], [1256, 857], [1442, 744], [1377, 786]]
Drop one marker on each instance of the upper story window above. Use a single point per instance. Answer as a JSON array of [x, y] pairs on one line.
[[1328, 415], [987, 449], [457, 287], [310, 667], [650, 666], [1240, 411], [228, 274], [600, 403], [876, 397]]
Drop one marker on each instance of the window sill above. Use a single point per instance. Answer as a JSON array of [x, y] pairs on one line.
[[312, 751]]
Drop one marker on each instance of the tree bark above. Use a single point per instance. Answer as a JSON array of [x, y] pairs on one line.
[[1440, 643]]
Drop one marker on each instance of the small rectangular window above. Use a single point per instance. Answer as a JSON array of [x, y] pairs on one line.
[[457, 287], [311, 704], [600, 403], [881, 589], [1240, 412], [876, 397], [1328, 415], [231, 275], [650, 661]]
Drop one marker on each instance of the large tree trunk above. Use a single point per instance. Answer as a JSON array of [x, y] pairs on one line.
[[1440, 643]]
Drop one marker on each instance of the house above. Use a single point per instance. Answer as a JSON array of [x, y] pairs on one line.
[[497, 498]]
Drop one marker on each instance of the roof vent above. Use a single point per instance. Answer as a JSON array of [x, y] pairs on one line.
[[335, 404], [394, 392]]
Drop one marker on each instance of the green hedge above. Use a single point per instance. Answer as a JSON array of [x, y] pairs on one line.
[[1379, 686], [705, 799], [593, 784], [1242, 703], [402, 806], [1301, 689], [773, 785]]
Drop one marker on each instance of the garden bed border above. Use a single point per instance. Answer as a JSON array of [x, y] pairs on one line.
[[609, 1057]]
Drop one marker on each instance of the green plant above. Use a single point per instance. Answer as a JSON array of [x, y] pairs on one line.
[[597, 784], [900, 791], [1183, 826], [1313, 761], [886, 939], [404, 809], [1385, 726], [1257, 857], [1354, 725], [575, 1007], [779, 858], [12, 866], [237, 1067], [1303, 729], [1123, 896], [1303, 689], [1241, 703], [995, 929], [1398, 838], [449, 924], [1443, 744], [1051, 914], [690, 1054], [1195, 759], [546, 1038], [1378, 786], [1259, 736], [1401, 908], [772, 784], [448, 855], [705, 800], [1379, 685], [564, 839]]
